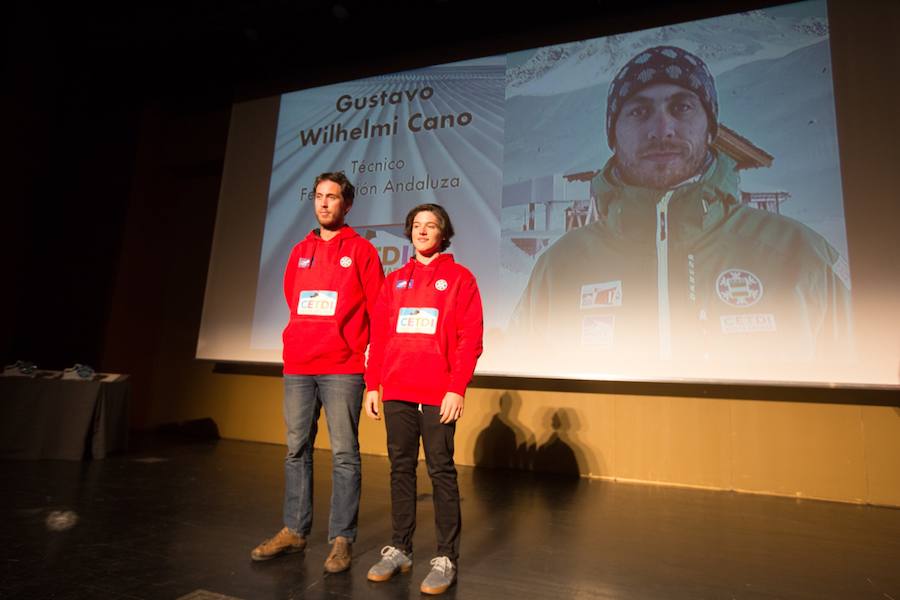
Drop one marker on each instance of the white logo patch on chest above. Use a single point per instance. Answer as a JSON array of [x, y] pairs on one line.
[[739, 288], [748, 323], [417, 320], [601, 295], [598, 331], [321, 303]]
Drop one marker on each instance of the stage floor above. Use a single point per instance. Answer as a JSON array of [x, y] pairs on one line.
[[176, 520]]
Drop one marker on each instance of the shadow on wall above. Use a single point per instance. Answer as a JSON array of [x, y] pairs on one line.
[[507, 444], [558, 454]]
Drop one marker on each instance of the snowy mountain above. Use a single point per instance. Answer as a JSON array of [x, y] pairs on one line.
[[723, 42]]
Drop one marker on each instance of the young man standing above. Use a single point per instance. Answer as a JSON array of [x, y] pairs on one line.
[[331, 282], [427, 334]]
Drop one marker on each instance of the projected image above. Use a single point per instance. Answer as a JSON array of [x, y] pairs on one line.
[[658, 205], [672, 203]]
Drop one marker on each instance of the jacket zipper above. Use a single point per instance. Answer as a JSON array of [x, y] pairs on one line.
[[662, 276]]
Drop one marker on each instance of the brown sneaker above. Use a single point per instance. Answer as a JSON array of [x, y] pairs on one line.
[[284, 542], [339, 558]]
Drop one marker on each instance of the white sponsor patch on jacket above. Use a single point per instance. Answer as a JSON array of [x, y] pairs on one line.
[[304, 262], [601, 295], [317, 302], [739, 288], [748, 323], [417, 320], [598, 331], [346, 261]]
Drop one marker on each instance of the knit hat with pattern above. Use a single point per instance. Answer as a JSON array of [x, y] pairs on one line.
[[662, 64]]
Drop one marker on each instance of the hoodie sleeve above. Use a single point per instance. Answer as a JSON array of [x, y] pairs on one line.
[[378, 333], [372, 274], [290, 275], [469, 333]]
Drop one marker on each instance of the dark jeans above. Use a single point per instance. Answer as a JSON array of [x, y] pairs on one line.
[[405, 423]]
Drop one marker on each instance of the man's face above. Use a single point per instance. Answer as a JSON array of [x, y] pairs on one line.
[[662, 134], [330, 206]]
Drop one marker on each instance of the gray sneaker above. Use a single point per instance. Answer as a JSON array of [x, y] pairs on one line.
[[393, 560], [441, 576]]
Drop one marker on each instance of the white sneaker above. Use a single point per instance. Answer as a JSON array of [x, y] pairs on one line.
[[441, 576], [393, 561]]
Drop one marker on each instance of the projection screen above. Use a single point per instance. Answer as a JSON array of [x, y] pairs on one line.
[[721, 257]]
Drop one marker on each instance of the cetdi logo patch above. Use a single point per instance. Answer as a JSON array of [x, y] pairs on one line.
[[750, 323], [598, 331], [304, 262], [601, 295], [740, 288], [417, 320], [317, 302]]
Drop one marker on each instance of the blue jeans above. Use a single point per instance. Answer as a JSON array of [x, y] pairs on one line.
[[304, 397]]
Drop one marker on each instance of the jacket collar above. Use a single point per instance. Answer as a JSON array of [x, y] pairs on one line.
[[423, 275], [413, 265], [344, 233], [694, 207]]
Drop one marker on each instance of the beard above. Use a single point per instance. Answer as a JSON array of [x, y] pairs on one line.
[[640, 170], [331, 222]]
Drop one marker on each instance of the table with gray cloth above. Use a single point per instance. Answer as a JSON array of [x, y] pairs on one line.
[[64, 419]]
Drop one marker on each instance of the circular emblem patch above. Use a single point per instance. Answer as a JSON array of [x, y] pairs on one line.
[[739, 288], [346, 261], [441, 285]]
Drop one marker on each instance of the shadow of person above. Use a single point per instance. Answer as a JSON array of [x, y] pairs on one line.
[[557, 463], [556, 456], [502, 442]]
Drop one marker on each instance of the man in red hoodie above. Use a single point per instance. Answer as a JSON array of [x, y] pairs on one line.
[[331, 283]]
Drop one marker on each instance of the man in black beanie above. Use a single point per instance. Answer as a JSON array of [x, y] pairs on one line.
[[675, 266]]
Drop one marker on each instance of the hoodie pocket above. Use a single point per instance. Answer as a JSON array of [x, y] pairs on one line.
[[314, 340], [409, 359]]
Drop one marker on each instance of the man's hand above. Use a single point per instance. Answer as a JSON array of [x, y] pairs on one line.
[[452, 407], [371, 403]]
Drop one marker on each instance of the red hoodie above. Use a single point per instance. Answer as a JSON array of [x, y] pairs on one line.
[[426, 332], [331, 288]]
